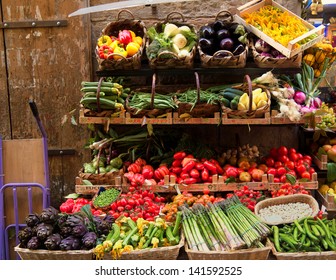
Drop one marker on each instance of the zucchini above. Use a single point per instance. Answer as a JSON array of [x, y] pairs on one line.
[[230, 94]]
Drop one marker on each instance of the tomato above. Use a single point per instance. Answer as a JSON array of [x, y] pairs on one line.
[[301, 168], [206, 191], [120, 209], [290, 165], [114, 206], [283, 159], [115, 215], [123, 202], [291, 151], [281, 171], [282, 151], [278, 164], [306, 175], [300, 156], [311, 170], [307, 159], [271, 171], [269, 162], [292, 172], [283, 179], [128, 207]]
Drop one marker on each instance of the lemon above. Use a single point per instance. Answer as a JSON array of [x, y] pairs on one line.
[[323, 189]]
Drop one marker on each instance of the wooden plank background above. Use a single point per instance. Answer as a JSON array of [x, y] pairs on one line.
[[47, 65]]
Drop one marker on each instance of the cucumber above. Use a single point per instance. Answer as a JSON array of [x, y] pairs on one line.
[[231, 93]]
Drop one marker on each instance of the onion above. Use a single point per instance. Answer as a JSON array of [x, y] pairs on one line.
[[266, 54], [316, 102], [299, 97], [261, 46], [305, 109]]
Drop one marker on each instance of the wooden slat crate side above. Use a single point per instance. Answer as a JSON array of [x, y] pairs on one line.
[[327, 201], [215, 120], [310, 185], [101, 120], [256, 121], [322, 162], [222, 186], [144, 120]]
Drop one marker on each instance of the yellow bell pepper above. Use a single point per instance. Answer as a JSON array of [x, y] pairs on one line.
[[121, 53], [132, 48], [104, 40]]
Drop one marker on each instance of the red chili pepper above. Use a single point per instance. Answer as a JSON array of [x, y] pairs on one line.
[[205, 175], [189, 181], [177, 163], [194, 173], [218, 167], [147, 171], [176, 170], [188, 166], [199, 166], [180, 155], [210, 166], [125, 37]]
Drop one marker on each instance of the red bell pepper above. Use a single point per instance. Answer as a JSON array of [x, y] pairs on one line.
[[177, 163], [104, 51], [134, 167], [147, 171], [199, 166], [232, 172], [184, 175], [160, 172], [176, 170], [125, 37]]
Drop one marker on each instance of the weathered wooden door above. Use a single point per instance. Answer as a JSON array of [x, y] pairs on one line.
[[44, 56]]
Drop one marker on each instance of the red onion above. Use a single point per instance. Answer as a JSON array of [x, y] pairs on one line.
[[299, 97], [305, 109], [261, 46], [316, 102]]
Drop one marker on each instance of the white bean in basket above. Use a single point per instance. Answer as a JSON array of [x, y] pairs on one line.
[[285, 212]]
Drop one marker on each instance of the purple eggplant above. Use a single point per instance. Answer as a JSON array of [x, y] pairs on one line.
[[226, 44], [207, 32]]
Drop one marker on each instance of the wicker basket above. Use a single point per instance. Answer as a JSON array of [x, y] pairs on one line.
[[327, 255], [168, 59], [112, 29], [270, 62], [198, 110], [161, 253], [295, 198], [242, 254], [151, 112], [248, 87], [223, 58], [107, 178], [108, 206], [27, 254]]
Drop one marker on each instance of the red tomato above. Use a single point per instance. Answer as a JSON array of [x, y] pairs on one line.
[[120, 209], [306, 175], [283, 159], [271, 171], [293, 157], [290, 165], [123, 202], [276, 180], [269, 162], [283, 179], [128, 207], [206, 191], [291, 150], [282, 151], [300, 169], [281, 171], [300, 155], [278, 164], [311, 170]]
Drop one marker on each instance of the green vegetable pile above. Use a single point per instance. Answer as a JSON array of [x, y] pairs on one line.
[[305, 235], [106, 197]]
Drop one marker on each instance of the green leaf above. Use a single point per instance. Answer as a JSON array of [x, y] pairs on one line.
[[291, 179], [72, 195], [331, 172], [230, 180]]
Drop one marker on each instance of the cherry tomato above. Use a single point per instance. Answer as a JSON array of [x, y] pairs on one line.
[[306, 175], [281, 171], [283, 158], [301, 168], [291, 150], [290, 165], [271, 171], [282, 151], [278, 164], [269, 162], [293, 157]]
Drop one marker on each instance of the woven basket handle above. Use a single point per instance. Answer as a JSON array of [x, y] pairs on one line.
[[248, 81], [174, 55], [227, 16], [153, 91], [98, 93], [178, 13], [116, 54], [127, 11], [217, 54], [198, 88]]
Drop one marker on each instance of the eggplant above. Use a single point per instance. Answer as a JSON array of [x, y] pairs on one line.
[[207, 32], [205, 44], [226, 44], [218, 25], [238, 49], [222, 34]]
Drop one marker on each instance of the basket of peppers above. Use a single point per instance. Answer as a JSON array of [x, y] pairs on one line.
[[121, 44]]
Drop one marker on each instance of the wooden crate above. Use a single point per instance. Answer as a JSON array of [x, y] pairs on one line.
[[234, 121], [322, 162], [222, 186], [100, 120], [310, 185], [327, 201], [215, 120], [288, 51], [82, 189], [167, 119], [284, 120]]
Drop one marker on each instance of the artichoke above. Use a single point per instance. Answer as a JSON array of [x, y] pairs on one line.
[[32, 220], [44, 230], [53, 241], [103, 225], [24, 235], [79, 230], [74, 220], [70, 243], [49, 215], [34, 243], [65, 231], [89, 240]]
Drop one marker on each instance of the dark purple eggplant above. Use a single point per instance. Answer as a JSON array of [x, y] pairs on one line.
[[226, 44], [238, 49], [205, 44], [218, 25], [222, 34], [207, 32]]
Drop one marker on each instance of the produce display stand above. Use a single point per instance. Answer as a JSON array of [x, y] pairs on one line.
[[328, 201], [167, 118], [284, 120], [215, 120], [105, 120], [255, 121], [24, 184], [290, 50], [81, 188], [322, 162]]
